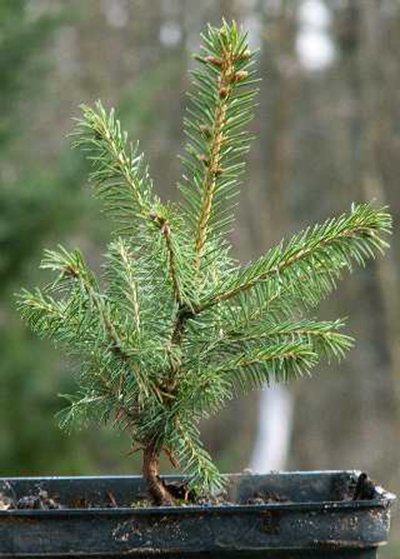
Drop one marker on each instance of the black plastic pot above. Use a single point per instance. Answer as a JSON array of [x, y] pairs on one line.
[[305, 515]]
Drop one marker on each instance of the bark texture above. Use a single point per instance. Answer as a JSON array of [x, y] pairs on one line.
[[151, 468]]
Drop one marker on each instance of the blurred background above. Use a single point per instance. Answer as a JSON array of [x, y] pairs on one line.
[[328, 134]]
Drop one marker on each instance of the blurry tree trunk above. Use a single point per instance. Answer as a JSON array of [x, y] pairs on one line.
[[281, 72], [375, 142], [364, 38]]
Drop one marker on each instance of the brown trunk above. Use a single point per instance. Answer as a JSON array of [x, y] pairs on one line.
[[156, 487]]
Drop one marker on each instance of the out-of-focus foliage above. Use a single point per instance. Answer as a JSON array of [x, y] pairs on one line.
[[29, 203], [21, 38], [34, 204]]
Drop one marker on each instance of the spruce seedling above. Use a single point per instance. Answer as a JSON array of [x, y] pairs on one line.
[[177, 327]]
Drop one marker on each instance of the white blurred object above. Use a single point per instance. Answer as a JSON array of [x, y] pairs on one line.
[[170, 33], [314, 13], [116, 12], [314, 45], [274, 429]]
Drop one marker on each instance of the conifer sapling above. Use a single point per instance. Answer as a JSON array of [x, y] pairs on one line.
[[176, 327]]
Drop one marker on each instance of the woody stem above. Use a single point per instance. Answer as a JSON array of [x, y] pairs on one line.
[[150, 469]]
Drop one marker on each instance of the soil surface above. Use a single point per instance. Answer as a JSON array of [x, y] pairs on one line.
[[39, 501]]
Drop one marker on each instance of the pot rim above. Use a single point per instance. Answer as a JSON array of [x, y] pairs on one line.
[[384, 499]]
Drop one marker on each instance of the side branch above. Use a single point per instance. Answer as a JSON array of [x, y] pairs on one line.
[[318, 255], [279, 361], [119, 172], [73, 269], [165, 229], [323, 335]]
